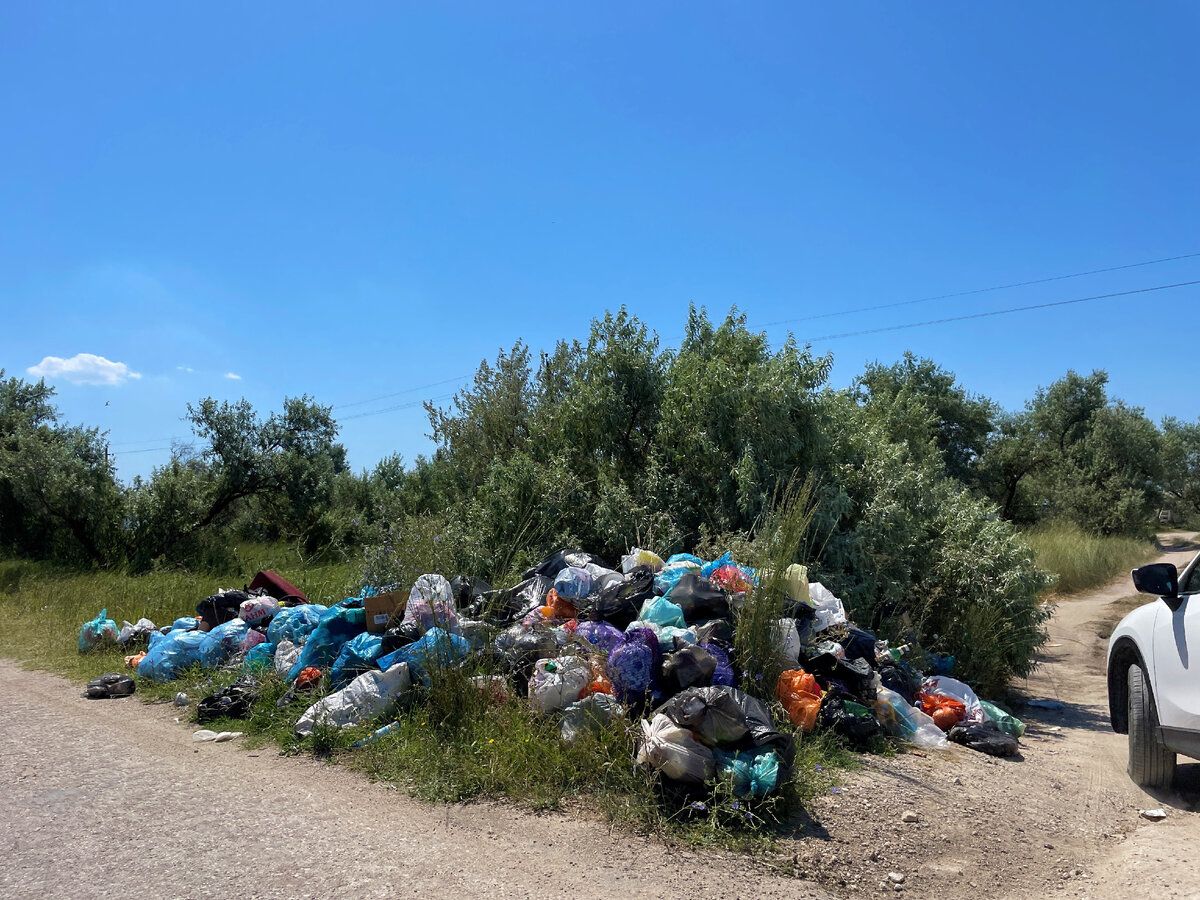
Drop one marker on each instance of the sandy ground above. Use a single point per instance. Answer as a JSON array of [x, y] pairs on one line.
[[113, 799]]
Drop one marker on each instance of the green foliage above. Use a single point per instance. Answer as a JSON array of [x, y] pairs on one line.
[[1181, 466], [1079, 559]]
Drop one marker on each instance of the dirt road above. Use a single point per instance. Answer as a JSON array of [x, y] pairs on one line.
[[113, 799]]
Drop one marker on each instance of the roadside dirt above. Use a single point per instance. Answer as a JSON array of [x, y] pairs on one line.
[[113, 799]]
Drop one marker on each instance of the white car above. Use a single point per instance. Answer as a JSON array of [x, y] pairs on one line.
[[1154, 673]]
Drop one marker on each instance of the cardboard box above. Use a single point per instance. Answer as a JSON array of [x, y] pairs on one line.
[[382, 608]]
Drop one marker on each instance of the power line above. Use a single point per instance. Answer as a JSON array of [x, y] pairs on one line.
[[401, 393], [999, 312], [410, 405], [146, 450], [998, 287]]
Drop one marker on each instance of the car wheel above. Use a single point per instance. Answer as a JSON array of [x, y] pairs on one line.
[[1151, 764]]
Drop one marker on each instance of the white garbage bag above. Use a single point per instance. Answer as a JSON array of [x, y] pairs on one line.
[[366, 697], [674, 751], [557, 683]]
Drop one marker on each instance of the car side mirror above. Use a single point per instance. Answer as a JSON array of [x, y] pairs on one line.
[[1159, 579]]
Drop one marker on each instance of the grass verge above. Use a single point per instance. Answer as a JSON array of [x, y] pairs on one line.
[[1079, 560], [453, 743]]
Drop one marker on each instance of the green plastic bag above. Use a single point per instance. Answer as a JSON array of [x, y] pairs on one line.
[[753, 773], [1006, 722]]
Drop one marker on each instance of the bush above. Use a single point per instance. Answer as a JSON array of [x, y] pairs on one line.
[[1078, 560]]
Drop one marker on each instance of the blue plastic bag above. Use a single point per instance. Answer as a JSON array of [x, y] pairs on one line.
[[573, 583], [754, 773], [358, 655], [185, 623], [435, 646], [222, 642], [724, 670], [684, 558], [169, 654], [604, 636], [662, 611], [100, 630], [295, 623], [260, 656], [725, 559], [337, 626], [631, 667]]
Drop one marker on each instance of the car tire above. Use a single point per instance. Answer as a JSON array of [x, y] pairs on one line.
[[1151, 765]]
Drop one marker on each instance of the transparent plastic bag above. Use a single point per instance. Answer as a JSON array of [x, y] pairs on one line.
[[639, 557], [557, 683], [907, 722], [363, 699], [97, 633], [674, 751]]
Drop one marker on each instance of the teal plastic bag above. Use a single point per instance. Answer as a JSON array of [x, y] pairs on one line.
[[321, 649], [1006, 722], [260, 656], [662, 611], [295, 623], [436, 646], [753, 773], [98, 632], [222, 642], [169, 654], [357, 655]]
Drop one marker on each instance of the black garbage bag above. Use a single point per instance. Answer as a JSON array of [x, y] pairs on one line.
[[505, 606], [220, 608], [400, 636], [715, 631], [732, 720], [560, 559], [824, 662], [843, 715], [984, 737], [700, 599], [233, 702], [900, 677], [110, 686], [518, 649], [467, 590], [620, 602], [860, 644], [687, 667]]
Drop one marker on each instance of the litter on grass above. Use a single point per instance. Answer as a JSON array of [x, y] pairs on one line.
[[587, 645]]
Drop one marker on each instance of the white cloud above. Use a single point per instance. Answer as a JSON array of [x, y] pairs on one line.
[[187, 369], [84, 368], [233, 376]]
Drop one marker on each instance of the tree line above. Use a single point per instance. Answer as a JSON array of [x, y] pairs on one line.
[[616, 441]]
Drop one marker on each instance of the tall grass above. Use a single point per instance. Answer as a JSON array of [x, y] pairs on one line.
[[1079, 560]]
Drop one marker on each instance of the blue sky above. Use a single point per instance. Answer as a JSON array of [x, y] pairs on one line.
[[355, 202]]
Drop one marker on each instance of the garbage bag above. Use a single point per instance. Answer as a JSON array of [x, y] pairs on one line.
[[363, 699], [98, 632], [753, 772], [669, 636], [436, 647], [258, 609], [600, 634], [716, 715], [699, 598], [400, 636], [592, 713], [674, 751], [253, 638], [723, 674], [946, 712], [557, 683], [984, 737], [827, 609], [661, 611], [185, 623], [708, 568], [286, 654], [907, 722], [800, 695], [337, 626], [859, 644], [1006, 722], [795, 580], [233, 702], [220, 607], [502, 607], [788, 640], [259, 657], [431, 604], [676, 567], [687, 667], [599, 684], [557, 607], [295, 623], [573, 583], [467, 591], [845, 716], [901, 678], [171, 653], [561, 559], [941, 663], [632, 666], [619, 603], [134, 634], [715, 631], [732, 579], [638, 557], [107, 687], [828, 662], [946, 686], [357, 655], [222, 642]]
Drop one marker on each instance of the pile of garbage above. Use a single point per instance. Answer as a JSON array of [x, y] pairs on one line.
[[589, 644]]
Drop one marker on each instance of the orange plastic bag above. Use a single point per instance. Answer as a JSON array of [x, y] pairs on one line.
[[557, 607], [599, 683], [946, 712], [131, 662], [801, 697]]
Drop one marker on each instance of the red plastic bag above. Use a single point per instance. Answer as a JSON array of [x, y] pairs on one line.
[[946, 712]]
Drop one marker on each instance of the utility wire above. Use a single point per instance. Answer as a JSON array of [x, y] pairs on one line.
[[401, 393], [999, 312], [998, 287], [387, 409]]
